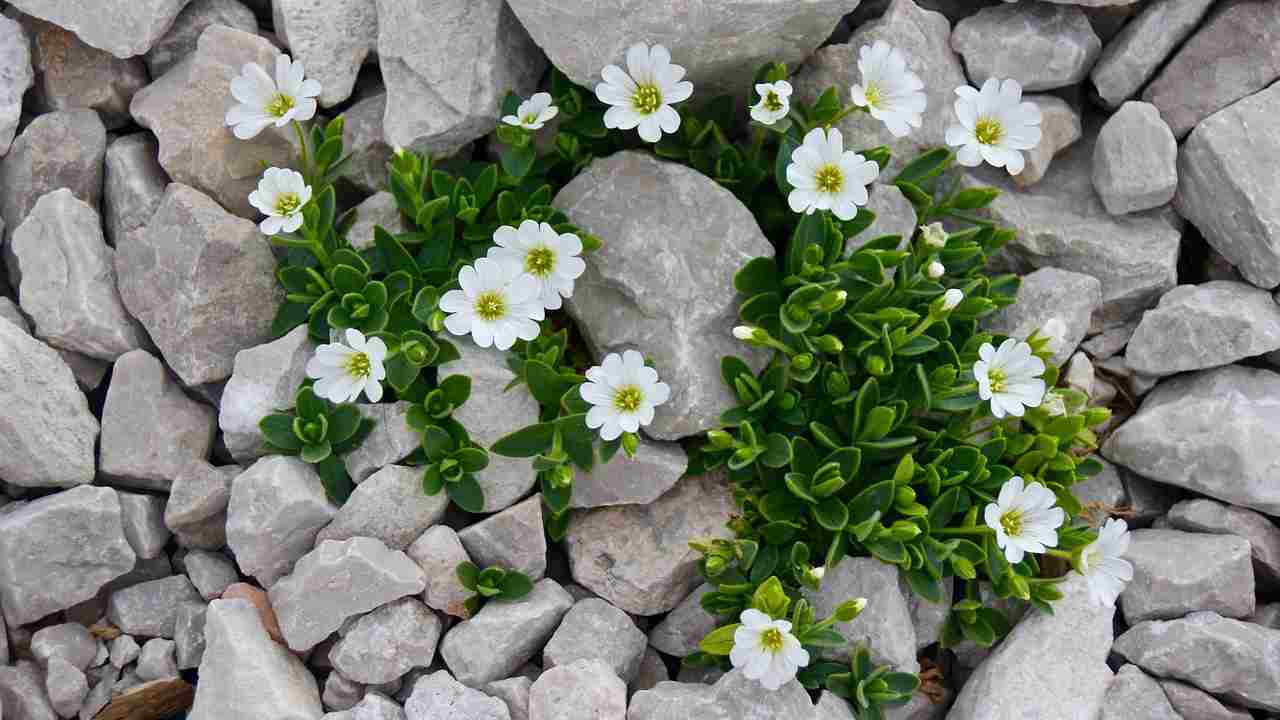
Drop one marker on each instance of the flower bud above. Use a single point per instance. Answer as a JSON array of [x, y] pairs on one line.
[[802, 362], [850, 609], [716, 565], [720, 439], [951, 298], [436, 321], [837, 383], [934, 236], [1053, 404], [876, 365], [829, 344], [630, 444], [818, 573], [832, 300], [963, 568], [742, 332], [935, 270]]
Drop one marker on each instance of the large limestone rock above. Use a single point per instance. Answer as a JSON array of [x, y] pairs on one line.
[[238, 655], [277, 506], [504, 635], [362, 137], [1060, 126], [15, 77], [202, 282], [511, 539], [1202, 326], [1134, 55], [885, 626], [1214, 432], [127, 30], [197, 508], [664, 280], [186, 109], [732, 697], [389, 506], [391, 441], [264, 379], [180, 39], [439, 552], [582, 690], [60, 550], [1191, 702], [595, 630], [150, 609], [1176, 572], [1201, 515], [133, 185], [1135, 162], [684, 627], [1134, 695], [387, 643], [331, 38], [47, 433], [638, 480], [1045, 295], [22, 691], [438, 695], [444, 94], [57, 150], [1042, 46]]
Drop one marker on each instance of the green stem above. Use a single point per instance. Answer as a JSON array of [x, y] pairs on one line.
[[974, 531], [1059, 553], [302, 144], [849, 110]]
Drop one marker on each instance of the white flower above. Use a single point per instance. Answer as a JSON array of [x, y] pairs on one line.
[[951, 299], [343, 371], [935, 236], [281, 195], [775, 102], [1024, 518], [1053, 404], [766, 651], [827, 177], [643, 98], [935, 270], [623, 392], [1102, 563], [533, 113], [1054, 332], [264, 101], [498, 303], [995, 125], [551, 258], [744, 332], [1009, 377], [894, 95]]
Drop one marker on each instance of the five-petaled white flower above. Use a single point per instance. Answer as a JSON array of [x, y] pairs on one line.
[[263, 101], [281, 195], [775, 102], [890, 91], [642, 97], [623, 392], [1102, 563], [766, 651], [995, 125], [497, 304], [551, 258], [343, 371], [533, 113], [1024, 518], [1009, 377], [825, 176]]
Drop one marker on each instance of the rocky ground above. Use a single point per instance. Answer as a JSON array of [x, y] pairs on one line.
[[145, 543]]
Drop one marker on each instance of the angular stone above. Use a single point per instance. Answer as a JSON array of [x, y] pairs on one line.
[[143, 519], [362, 137], [654, 470], [388, 642], [151, 608], [1201, 326], [133, 185], [1135, 161], [57, 150], [188, 635], [637, 557], [180, 39], [1214, 432], [1045, 295], [684, 627], [150, 428], [1192, 703], [199, 494], [124, 650], [664, 281], [582, 690], [331, 38], [375, 706], [504, 635], [88, 371], [1226, 657], [513, 539], [439, 552], [885, 626], [927, 617], [1206, 516], [72, 642], [653, 670], [277, 506], [389, 506], [196, 146], [732, 697], [1041, 46], [1102, 493], [895, 215], [381, 209], [438, 695], [515, 693], [1048, 666], [1060, 126], [391, 441], [258, 597], [1175, 573], [60, 550], [66, 686], [211, 573], [1134, 695], [1133, 56], [202, 282], [15, 78], [595, 630], [339, 693], [156, 662], [241, 655], [22, 692], [264, 380], [127, 31]]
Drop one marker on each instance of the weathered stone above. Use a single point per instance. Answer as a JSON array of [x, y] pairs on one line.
[[156, 662], [1041, 46], [684, 627], [264, 380], [132, 187], [1103, 493], [376, 706], [1134, 695], [380, 209], [664, 281], [515, 693], [1045, 295], [1206, 516], [332, 38], [241, 655], [150, 428], [1192, 703], [885, 626], [340, 693], [439, 552], [199, 494], [180, 39], [640, 480], [1175, 573], [186, 109], [66, 686], [124, 650], [1229, 658], [1213, 432], [151, 608], [637, 557], [927, 617], [57, 150], [389, 506], [512, 539], [277, 507], [1134, 55], [700, 674], [59, 550], [438, 695], [22, 692], [653, 670], [504, 634], [1060, 126], [1049, 666], [1201, 326], [391, 441], [143, 520], [211, 573], [582, 690], [71, 642], [1135, 160], [9, 311], [88, 371], [258, 597], [895, 215], [202, 282], [126, 31], [732, 697], [16, 76], [100, 695], [388, 642], [595, 630], [188, 634], [362, 137], [1234, 54]]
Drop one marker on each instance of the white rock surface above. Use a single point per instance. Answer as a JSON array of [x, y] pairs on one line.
[[264, 379], [277, 506]]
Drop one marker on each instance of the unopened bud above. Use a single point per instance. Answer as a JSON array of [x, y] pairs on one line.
[[850, 609], [829, 344], [934, 235], [951, 298], [935, 270], [630, 444]]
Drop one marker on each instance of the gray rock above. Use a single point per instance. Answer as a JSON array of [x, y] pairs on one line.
[[1175, 573], [582, 690], [1134, 695], [920, 707], [9, 311], [157, 661], [1201, 326], [664, 282], [1224, 184], [1041, 46], [180, 39], [199, 498], [927, 617], [211, 573], [391, 441], [336, 581], [885, 626], [150, 428], [100, 695], [88, 371], [362, 137], [339, 693], [1135, 161], [1049, 666], [389, 506], [60, 550], [684, 627], [700, 674], [264, 380], [1060, 126], [515, 693], [439, 552], [22, 692], [595, 630], [895, 215], [277, 507], [132, 186], [17, 76], [376, 706], [1047, 294], [654, 470], [151, 608], [127, 31], [188, 635], [331, 38], [124, 650], [438, 695], [435, 102], [387, 643], [240, 654], [653, 670], [57, 150], [143, 519], [637, 557], [381, 209], [1212, 432], [1192, 703], [66, 686], [1103, 492], [504, 635], [1134, 55], [732, 697], [832, 707], [512, 539], [196, 148], [1110, 341], [1234, 54], [1229, 658], [72, 642], [1206, 516], [202, 282]]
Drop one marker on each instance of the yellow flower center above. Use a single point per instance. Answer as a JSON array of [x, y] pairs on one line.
[[829, 179], [628, 398], [647, 99], [874, 96], [530, 119], [989, 131], [288, 203], [279, 105], [491, 306], [998, 380], [1012, 523], [358, 365], [772, 102], [540, 261], [772, 640]]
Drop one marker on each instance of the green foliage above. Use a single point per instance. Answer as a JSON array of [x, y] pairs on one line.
[[491, 582], [319, 433], [869, 689]]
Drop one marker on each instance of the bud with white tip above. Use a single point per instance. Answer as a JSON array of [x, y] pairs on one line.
[[744, 332], [934, 236], [951, 298], [935, 270]]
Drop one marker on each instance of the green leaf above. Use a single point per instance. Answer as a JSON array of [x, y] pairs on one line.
[[347, 279], [468, 574], [544, 383], [515, 585], [777, 451], [315, 453], [771, 599], [974, 198], [432, 480], [472, 459], [333, 476], [436, 442], [759, 275], [831, 514], [517, 161], [278, 431], [786, 147], [456, 389], [526, 442], [401, 373], [466, 494], [927, 165], [719, 642], [309, 405], [394, 255]]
